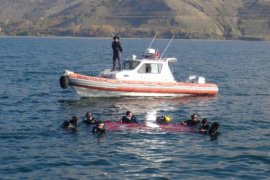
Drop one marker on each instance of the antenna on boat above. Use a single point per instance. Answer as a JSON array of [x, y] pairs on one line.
[[152, 41], [167, 47]]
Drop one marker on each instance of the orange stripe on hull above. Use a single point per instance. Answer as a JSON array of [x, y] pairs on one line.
[[151, 90]]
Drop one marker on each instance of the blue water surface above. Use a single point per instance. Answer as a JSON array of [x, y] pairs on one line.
[[33, 106]]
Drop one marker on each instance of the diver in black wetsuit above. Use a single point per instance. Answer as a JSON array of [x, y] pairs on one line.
[[205, 125], [194, 121], [129, 118], [89, 119], [71, 124], [99, 128], [213, 130]]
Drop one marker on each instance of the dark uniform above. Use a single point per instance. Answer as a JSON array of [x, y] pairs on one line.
[[117, 49]]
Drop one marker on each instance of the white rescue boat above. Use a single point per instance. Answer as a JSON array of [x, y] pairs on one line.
[[149, 76]]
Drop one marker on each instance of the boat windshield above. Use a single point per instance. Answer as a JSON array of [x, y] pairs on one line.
[[130, 64]]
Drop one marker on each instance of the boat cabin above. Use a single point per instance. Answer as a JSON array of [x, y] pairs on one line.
[[146, 69]]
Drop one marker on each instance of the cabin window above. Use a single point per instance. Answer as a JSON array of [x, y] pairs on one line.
[[130, 64], [152, 68]]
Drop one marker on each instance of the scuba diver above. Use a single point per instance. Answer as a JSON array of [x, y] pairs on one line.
[[213, 130], [163, 119], [100, 128], [194, 121], [208, 128], [71, 124], [89, 119], [129, 118], [205, 125]]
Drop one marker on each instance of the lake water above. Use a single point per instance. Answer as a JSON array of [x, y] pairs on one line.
[[33, 106]]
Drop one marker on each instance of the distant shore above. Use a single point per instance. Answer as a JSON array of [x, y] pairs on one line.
[[82, 37]]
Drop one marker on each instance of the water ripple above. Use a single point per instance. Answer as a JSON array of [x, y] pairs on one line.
[[33, 106]]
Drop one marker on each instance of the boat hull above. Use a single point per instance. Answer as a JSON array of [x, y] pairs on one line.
[[89, 86]]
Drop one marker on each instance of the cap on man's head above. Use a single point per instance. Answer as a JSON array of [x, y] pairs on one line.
[[116, 37]]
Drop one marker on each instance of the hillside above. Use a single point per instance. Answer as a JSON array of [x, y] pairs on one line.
[[211, 19]]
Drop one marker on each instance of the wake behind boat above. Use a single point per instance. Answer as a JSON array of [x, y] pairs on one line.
[[148, 76]]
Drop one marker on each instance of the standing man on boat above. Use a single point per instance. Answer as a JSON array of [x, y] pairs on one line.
[[117, 49]]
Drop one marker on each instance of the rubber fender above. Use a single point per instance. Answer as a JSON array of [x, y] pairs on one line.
[[64, 82]]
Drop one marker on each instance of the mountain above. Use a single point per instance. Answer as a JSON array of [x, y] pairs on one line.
[[203, 19]]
